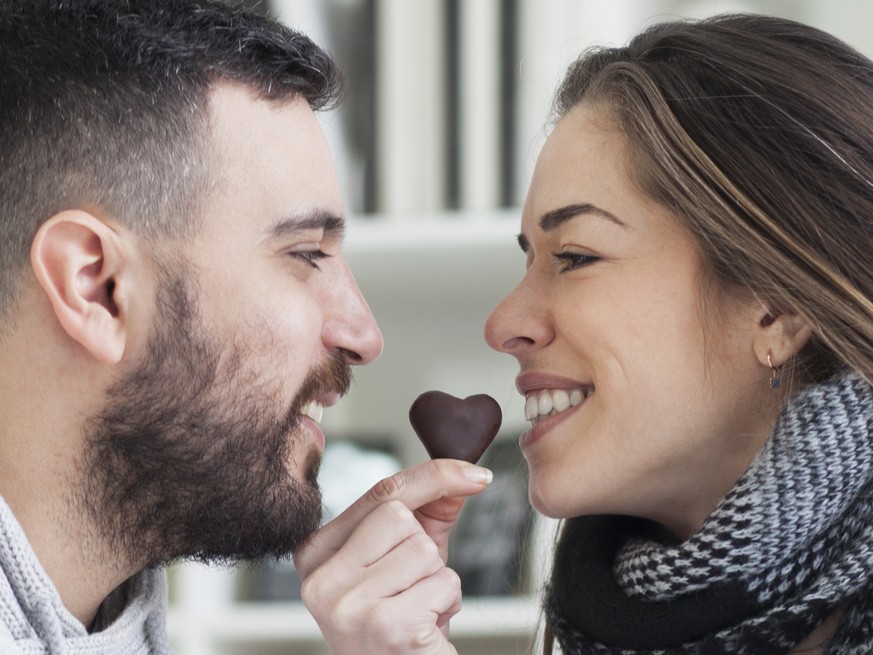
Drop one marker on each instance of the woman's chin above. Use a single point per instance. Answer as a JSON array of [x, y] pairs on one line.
[[547, 503]]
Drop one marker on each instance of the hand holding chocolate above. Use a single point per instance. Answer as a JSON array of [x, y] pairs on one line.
[[455, 428]]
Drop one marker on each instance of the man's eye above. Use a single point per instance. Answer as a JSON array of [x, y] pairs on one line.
[[570, 261], [311, 257]]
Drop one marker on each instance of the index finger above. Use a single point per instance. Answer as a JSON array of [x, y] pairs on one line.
[[414, 487]]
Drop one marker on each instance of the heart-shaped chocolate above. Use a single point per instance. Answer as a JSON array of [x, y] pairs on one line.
[[455, 428]]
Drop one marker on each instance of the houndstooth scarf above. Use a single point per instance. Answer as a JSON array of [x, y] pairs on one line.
[[789, 545]]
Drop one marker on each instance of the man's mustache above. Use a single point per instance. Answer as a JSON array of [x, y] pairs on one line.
[[333, 375]]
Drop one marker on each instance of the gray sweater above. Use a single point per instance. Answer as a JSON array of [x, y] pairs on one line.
[[33, 620]]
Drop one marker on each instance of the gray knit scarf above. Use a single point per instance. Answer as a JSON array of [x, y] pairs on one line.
[[788, 546], [34, 620]]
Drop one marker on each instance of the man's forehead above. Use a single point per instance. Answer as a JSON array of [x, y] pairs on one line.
[[239, 107], [271, 166]]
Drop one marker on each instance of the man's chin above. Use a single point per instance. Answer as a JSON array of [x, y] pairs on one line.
[[277, 543], [311, 469]]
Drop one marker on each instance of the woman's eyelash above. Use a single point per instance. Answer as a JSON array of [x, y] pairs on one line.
[[570, 261], [311, 257]]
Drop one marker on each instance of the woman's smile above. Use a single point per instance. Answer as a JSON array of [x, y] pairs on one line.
[[539, 405]]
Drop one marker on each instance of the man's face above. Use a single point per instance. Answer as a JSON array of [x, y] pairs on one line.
[[209, 445]]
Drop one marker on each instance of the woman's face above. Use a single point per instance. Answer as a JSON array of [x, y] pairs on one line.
[[644, 397]]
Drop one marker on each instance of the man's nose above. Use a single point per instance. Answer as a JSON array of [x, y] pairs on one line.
[[350, 326]]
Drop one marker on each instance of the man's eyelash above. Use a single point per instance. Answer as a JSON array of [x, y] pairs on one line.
[[311, 257], [570, 261]]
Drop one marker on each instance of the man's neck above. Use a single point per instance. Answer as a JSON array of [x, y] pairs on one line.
[[47, 391], [83, 571]]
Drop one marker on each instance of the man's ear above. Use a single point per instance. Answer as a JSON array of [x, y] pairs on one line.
[[77, 259], [780, 335]]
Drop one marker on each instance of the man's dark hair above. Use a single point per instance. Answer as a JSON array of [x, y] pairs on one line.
[[104, 106]]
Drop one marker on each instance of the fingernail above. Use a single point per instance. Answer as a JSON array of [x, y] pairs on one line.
[[478, 474]]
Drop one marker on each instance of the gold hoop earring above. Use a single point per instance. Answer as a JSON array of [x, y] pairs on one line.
[[775, 372]]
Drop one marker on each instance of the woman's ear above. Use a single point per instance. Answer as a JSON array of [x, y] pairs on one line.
[[80, 262], [780, 336]]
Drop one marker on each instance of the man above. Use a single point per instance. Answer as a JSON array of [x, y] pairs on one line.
[[175, 312]]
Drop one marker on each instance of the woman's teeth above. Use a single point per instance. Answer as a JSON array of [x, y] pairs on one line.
[[549, 402], [313, 410]]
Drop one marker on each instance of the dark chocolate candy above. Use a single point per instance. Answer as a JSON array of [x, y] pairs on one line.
[[455, 428]]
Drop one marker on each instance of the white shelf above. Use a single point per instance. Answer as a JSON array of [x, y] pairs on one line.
[[249, 622], [290, 622], [435, 262]]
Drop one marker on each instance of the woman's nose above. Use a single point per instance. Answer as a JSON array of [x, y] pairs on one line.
[[520, 322]]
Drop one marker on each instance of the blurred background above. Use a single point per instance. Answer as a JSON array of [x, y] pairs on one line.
[[447, 104]]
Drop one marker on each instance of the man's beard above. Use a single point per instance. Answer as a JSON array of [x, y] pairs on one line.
[[191, 457]]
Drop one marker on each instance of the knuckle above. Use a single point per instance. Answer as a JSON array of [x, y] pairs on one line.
[[422, 639], [424, 546], [302, 558], [401, 514], [451, 579], [347, 612], [444, 468], [387, 489], [361, 617], [314, 594], [372, 622], [433, 472]]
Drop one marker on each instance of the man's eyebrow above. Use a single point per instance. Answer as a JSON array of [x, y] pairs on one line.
[[333, 224], [555, 217]]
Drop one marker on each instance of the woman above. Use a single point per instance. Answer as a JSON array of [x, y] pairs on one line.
[[695, 338]]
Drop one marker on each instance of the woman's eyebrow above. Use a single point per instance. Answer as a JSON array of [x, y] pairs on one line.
[[555, 217]]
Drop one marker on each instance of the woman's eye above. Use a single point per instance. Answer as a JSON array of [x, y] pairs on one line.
[[311, 257], [570, 261]]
